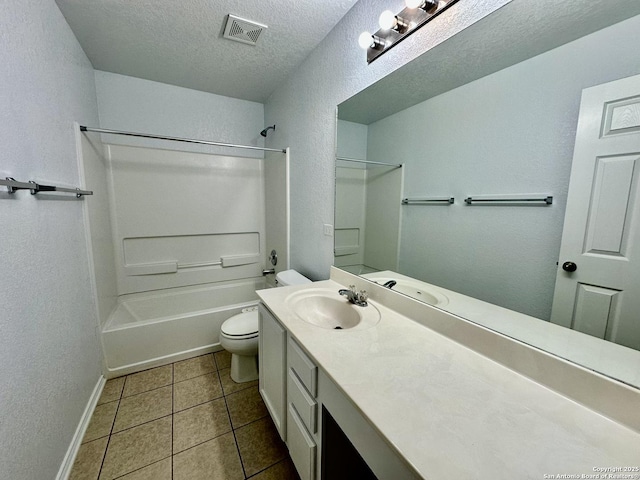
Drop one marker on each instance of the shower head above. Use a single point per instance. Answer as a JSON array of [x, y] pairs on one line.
[[264, 132]]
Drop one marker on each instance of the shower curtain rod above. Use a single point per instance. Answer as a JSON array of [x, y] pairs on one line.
[[356, 160], [177, 139]]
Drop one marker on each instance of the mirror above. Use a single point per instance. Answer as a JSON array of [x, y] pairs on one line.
[[491, 111]]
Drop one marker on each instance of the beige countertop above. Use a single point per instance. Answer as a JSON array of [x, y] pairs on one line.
[[451, 412]]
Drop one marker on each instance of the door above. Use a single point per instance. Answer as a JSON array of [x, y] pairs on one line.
[[598, 282]]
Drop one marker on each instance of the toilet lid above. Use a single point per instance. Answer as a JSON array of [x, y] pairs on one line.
[[241, 325]]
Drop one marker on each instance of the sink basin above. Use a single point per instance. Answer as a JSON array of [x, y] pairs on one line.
[[420, 291], [327, 309]]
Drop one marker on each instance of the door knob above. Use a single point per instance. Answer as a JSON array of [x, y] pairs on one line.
[[569, 267]]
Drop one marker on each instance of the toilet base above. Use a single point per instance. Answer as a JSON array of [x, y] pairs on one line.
[[244, 368]]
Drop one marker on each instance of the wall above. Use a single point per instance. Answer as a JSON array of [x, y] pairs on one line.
[[133, 104], [304, 108], [383, 213], [508, 133], [49, 350]]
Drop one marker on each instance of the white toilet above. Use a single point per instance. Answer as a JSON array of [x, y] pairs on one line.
[[239, 334]]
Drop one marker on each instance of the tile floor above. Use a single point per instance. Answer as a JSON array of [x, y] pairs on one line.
[[187, 420]]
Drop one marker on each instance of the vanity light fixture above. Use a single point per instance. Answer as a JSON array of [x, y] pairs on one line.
[[396, 27]]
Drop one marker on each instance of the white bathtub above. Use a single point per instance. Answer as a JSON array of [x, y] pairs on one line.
[[155, 328]]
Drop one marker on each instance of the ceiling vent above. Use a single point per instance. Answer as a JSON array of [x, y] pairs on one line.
[[242, 30]]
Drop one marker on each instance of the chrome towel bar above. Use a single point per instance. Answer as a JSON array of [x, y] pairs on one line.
[[428, 201], [528, 199], [13, 186]]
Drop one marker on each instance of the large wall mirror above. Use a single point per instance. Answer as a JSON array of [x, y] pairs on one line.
[[492, 113]]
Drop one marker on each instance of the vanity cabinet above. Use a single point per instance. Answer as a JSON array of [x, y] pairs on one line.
[[272, 355], [299, 395]]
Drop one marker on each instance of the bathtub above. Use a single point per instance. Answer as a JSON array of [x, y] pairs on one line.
[[150, 329]]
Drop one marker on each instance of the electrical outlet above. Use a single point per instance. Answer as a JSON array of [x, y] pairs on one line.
[[328, 230]]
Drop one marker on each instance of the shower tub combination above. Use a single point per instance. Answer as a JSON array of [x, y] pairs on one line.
[[149, 329]]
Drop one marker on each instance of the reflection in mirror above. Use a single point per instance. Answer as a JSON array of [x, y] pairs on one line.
[[508, 133], [368, 221]]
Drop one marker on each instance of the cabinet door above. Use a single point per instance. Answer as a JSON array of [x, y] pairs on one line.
[[272, 355]]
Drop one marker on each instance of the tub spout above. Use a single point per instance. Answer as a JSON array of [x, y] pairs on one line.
[[270, 271]]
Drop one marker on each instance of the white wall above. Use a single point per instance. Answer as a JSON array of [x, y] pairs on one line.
[[383, 213], [351, 141], [49, 351], [511, 132], [304, 108], [133, 104]]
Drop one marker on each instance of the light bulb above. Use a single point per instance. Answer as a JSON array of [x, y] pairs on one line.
[[413, 3], [429, 6], [365, 40], [387, 20]]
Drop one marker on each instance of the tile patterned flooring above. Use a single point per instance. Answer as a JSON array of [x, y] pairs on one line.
[[187, 420]]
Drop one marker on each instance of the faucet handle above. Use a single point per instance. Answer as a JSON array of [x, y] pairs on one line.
[[352, 288], [363, 296]]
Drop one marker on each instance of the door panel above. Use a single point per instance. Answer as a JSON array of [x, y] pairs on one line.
[[601, 230], [611, 205], [594, 310]]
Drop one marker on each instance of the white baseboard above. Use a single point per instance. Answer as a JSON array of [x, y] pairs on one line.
[[72, 451]]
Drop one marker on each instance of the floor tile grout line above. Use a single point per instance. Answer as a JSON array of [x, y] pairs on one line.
[[196, 376], [106, 448], [203, 442], [235, 439], [147, 391], [197, 404], [140, 424], [138, 469], [248, 423], [251, 422], [267, 468]]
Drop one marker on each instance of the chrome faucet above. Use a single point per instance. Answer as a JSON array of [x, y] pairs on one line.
[[357, 298], [390, 284]]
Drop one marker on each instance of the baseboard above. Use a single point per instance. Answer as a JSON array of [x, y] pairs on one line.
[[72, 451], [160, 361]]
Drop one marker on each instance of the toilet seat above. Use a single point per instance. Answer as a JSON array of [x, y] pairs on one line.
[[242, 326]]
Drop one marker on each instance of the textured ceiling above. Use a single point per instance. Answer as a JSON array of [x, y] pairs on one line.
[[519, 30], [180, 42]]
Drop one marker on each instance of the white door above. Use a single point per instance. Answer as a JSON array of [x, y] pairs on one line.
[[601, 236]]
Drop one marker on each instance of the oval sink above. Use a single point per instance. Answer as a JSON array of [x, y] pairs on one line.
[[415, 290], [327, 309]]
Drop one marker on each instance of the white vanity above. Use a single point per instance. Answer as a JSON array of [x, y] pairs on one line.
[[421, 393]]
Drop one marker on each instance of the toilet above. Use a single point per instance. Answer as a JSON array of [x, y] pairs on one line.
[[239, 334]]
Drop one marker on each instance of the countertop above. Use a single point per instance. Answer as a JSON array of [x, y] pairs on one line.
[[451, 412]]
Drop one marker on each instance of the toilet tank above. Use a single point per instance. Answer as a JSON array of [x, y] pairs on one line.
[[290, 277]]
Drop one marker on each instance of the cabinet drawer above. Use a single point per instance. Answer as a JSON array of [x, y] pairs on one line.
[[304, 368], [306, 406], [302, 448]]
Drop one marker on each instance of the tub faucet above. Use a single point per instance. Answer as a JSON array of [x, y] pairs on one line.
[[390, 284], [357, 298]]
